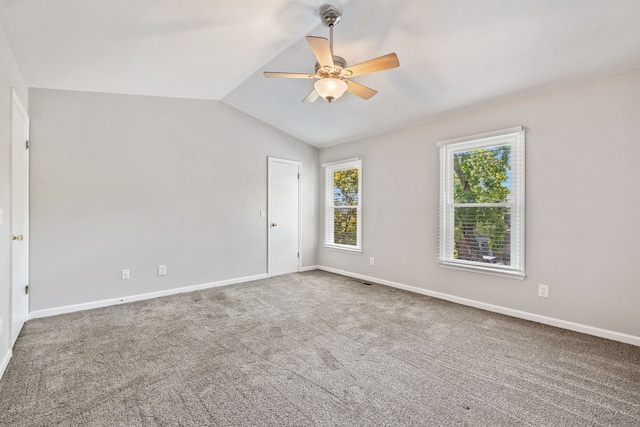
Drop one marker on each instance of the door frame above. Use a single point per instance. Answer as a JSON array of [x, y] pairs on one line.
[[16, 104], [270, 161]]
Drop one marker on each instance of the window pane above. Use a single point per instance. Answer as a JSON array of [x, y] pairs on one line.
[[345, 226], [482, 203], [345, 187], [343, 198], [483, 234], [482, 175]]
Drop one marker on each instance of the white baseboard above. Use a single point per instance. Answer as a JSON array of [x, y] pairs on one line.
[[577, 327], [5, 362], [115, 301]]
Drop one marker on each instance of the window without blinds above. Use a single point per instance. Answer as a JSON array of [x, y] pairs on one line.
[[482, 203], [343, 214]]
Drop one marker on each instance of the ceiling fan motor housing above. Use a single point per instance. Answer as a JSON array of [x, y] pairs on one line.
[[338, 70]]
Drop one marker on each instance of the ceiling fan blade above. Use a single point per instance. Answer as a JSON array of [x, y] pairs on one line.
[[289, 75], [378, 64], [321, 50], [311, 97], [360, 90]]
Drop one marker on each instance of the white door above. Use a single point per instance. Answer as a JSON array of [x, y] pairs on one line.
[[284, 253], [19, 215]]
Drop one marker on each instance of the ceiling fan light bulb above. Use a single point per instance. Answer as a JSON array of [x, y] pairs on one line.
[[330, 88]]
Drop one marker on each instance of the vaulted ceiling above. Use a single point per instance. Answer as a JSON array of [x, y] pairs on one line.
[[454, 55]]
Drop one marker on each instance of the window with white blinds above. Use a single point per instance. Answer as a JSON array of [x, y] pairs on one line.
[[343, 205], [482, 203]]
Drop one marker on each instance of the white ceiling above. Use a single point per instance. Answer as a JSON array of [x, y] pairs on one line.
[[453, 55]]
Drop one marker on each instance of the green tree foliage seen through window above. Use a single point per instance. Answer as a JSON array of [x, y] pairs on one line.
[[481, 233], [345, 211]]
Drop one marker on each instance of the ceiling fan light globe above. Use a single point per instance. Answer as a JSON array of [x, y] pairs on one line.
[[330, 89]]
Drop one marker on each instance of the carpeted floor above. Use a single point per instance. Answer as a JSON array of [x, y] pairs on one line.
[[312, 349]]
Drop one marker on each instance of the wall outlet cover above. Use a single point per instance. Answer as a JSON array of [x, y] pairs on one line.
[[543, 291]]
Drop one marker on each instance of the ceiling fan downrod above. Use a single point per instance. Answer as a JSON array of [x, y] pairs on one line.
[[330, 17]]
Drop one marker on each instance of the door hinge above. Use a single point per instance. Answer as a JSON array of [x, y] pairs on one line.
[[26, 289], [26, 144], [298, 254], [298, 176]]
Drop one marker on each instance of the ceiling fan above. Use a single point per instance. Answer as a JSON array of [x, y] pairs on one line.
[[332, 74]]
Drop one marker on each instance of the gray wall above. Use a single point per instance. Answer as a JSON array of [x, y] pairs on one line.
[[133, 182], [10, 76], [582, 233]]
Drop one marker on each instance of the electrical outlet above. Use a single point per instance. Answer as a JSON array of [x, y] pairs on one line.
[[162, 270], [543, 291], [372, 261], [125, 274]]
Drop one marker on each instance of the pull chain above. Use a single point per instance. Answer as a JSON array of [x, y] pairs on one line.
[[330, 113]]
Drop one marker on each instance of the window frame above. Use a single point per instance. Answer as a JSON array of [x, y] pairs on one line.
[[330, 169], [515, 138]]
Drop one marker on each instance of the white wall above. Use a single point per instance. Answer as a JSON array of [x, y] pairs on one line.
[[121, 181], [10, 76], [583, 205]]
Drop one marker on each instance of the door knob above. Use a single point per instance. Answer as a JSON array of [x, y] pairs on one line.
[[18, 237], [273, 224]]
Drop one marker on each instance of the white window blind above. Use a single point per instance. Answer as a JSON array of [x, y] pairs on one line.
[[482, 183], [343, 205]]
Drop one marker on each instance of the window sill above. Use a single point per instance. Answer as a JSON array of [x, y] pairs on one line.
[[512, 274], [343, 249]]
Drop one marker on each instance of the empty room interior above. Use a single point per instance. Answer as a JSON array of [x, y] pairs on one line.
[[369, 212]]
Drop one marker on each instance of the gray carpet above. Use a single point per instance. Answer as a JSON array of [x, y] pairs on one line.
[[312, 349]]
